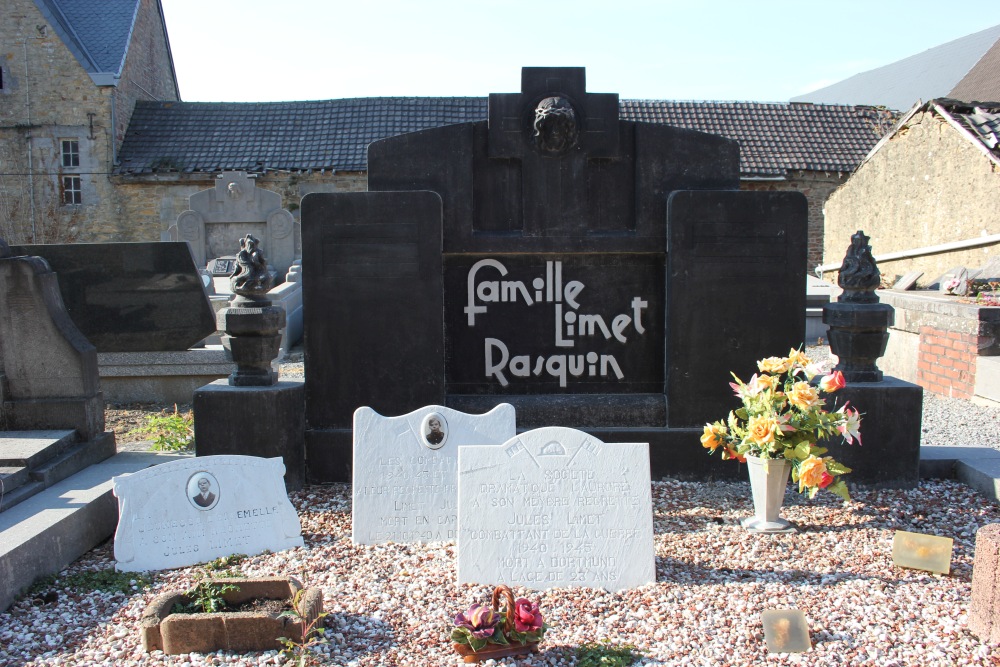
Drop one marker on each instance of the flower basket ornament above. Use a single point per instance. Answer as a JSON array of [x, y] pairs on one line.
[[777, 431], [485, 633]]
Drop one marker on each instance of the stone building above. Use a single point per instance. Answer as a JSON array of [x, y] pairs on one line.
[[70, 75], [933, 181]]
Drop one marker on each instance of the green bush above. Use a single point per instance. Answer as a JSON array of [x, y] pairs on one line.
[[170, 432], [603, 654]]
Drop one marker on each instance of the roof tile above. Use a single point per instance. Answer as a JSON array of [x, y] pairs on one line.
[[334, 134]]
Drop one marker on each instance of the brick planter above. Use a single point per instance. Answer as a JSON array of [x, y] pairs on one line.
[[239, 632]]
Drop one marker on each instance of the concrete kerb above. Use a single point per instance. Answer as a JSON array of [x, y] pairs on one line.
[[977, 467], [47, 532]]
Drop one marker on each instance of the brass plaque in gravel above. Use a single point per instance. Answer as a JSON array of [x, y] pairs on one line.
[[786, 631], [922, 552]]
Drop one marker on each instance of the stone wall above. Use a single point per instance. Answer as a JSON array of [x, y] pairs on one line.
[[816, 186], [147, 205], [927, 185]]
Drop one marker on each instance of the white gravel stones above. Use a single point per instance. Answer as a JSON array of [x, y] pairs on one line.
[[392, 604]]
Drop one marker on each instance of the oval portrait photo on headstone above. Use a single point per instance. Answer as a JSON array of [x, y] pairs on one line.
[[203, 490], [434, 430]]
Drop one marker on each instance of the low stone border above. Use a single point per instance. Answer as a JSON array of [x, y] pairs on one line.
[[240, 632]]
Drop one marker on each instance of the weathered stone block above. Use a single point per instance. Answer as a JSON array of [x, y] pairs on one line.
[[984, 607]]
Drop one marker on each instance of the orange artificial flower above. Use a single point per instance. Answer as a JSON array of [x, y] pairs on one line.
[[710, 438], [832, 382], [811, 473]]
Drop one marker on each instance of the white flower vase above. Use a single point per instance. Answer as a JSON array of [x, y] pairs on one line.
[[768, 479]]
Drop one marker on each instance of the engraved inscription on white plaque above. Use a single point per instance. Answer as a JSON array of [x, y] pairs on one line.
[[405, 485], [555, 507], [198, 509]]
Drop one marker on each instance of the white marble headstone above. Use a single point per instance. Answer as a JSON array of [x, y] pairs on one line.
[[405, 484], [196, 510], [555, 507]]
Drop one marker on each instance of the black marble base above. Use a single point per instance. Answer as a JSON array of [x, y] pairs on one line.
[[892, 411], [253, 421]]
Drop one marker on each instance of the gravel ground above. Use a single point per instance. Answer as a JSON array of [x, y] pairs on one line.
[[392, 604]]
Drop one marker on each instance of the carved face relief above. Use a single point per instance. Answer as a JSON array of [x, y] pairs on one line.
[[556, 127]]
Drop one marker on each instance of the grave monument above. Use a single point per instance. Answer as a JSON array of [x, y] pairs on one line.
[[595, 273], [144, 307], [406, 470], [555, 507], [198, 509]]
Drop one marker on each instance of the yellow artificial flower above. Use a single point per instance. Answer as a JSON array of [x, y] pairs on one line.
[[774, 365], [762, 429], [798, 357], [804, 396]]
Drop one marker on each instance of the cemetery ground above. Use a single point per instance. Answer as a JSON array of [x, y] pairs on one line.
[[393, 604]]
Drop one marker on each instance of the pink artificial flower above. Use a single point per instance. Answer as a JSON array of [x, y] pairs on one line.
[[850, 429], [527, 618]]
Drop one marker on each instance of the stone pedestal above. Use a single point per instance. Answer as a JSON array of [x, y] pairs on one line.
[[890, 429], [253, 421], [984, 609]]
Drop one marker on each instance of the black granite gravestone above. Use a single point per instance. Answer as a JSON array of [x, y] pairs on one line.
[[532, 259], [131, 297]]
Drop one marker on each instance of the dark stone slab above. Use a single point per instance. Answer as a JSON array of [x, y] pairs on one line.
[[373, 303], [890, 430], [736, 289], [131, 297], [265, 421]]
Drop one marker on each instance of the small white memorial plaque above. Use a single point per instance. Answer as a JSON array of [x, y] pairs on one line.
[[405, 479], [196, 510], [555, 507]]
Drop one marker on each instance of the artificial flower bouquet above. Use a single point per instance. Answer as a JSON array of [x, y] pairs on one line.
[[783, 415], [486, 630]]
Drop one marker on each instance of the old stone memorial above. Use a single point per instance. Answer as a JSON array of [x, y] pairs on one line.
[[406, 473], [555, 507], [553, 257], [131, 297], [192, 511]]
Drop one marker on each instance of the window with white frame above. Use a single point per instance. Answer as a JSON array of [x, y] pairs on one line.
[[70, 153], [72, 190]]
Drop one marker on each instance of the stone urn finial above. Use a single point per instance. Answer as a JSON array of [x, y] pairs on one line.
[[252, 325], [859, 276], [858, 322], [250, 279]]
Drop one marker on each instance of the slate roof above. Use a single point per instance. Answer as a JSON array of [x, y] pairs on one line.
[[947, 70], [97, 32], [333, 135]]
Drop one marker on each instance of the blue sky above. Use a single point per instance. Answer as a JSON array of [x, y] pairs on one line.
[[769, 51]]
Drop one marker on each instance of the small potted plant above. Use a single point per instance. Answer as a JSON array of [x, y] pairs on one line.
[[776, 433], [484, 633]]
